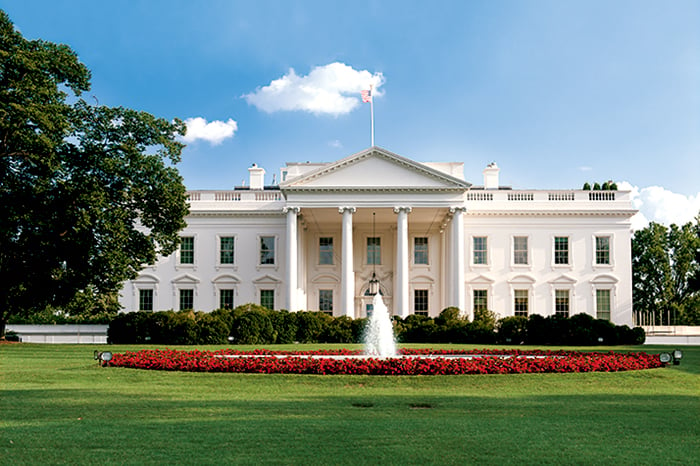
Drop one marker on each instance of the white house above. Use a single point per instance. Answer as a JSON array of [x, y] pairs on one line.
[[432, 240]]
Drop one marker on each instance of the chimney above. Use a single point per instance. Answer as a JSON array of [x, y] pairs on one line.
[[257, 177], [491, 176]]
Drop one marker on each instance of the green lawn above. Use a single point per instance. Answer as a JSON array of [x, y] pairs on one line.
[[59, 407]]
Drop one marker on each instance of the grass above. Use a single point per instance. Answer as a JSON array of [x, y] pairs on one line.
[[59, 407]]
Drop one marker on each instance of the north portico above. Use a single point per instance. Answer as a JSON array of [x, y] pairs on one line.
[[432, 239], [373, 205]]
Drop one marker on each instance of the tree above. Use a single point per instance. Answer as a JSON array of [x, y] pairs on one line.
[[664, 266], [88, 194]]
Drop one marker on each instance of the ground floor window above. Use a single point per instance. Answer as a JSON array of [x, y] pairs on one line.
[[145, 300], [186, 299], [420, 302], [226, 299], [602, 300], [520, 304], [561, 303], [325, 301], [481, 300], [267, 299]]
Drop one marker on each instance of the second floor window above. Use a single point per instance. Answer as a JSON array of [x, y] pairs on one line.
[[187, 250], [480, 256], [374, 251], [520, 250], [420, 250], [226, 250], [325, 251], [602, 250], [561, 250], [267, 251]]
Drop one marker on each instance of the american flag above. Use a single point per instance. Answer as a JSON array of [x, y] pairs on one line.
[[366, 96]]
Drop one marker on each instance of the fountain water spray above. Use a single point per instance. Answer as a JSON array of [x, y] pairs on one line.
[[379, 334]]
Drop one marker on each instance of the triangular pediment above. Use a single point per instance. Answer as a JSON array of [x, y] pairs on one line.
[[376, 169]]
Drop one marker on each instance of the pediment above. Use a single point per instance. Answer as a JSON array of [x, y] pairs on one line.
[[267, 279], [226, 278], [375, 169], [522, 280], [563, 280], [481, 280], [185, 279], [604, 280]]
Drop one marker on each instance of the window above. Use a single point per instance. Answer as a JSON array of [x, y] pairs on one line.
[[267, 250], [325, 251], [267, 299], [374, 251], [226, 298], [420, 302], [420, 250], [226, 250], [520, 250], [520, 304], [561, 250], [561, 303], [481, 300], [187, 250], [480, 250], [602, 302], [325, 301], [186, 299], [602, 250], [145, 300]]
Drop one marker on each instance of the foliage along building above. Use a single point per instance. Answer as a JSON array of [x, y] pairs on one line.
[[431, 239]]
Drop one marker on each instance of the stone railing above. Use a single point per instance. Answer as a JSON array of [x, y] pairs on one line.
[[545, 196], [234, 196]]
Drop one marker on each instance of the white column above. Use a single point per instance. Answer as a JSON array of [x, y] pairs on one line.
[[401, 302], [292, 258], [457, 250], [347, 277]]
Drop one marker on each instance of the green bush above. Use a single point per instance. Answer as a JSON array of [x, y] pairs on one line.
[[253, 327], [512, 330], [311, 326]]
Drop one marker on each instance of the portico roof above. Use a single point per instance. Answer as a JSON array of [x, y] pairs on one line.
[[377, 170]]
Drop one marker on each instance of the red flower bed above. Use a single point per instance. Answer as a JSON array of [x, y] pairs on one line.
[[430, 362]]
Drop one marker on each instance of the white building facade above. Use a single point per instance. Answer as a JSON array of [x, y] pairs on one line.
[[432, 240]]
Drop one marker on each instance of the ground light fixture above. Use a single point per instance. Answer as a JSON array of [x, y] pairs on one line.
[[103, 356], [675, 356]]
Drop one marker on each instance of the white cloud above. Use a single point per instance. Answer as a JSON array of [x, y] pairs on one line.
[[330, 89], [657, 204], [214, 132], [335, 144]]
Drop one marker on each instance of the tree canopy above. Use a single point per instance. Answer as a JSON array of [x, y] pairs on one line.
[[88, 193], [666, 273]]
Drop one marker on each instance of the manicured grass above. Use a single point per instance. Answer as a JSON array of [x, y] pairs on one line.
[[59, 407]]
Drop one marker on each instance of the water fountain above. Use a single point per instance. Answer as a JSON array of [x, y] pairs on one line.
[[379, 335]]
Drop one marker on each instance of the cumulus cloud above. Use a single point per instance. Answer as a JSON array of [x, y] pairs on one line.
[[332, 89], [214, 132], [657, 204]]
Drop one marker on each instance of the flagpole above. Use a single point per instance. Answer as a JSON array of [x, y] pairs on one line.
[[371, 112]]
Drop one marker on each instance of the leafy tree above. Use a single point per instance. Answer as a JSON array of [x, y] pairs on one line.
[[664, 266], [88, 194]]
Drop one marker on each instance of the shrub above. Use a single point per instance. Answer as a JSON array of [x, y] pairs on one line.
[[512, 330], [417, 329], [253, 327], [311, 325], [285, 324], [338, 330]]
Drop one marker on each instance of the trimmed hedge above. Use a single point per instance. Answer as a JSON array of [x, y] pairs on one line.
[[251, 324]]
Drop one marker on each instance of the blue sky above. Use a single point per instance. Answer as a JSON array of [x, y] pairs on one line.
[[556, 92]]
